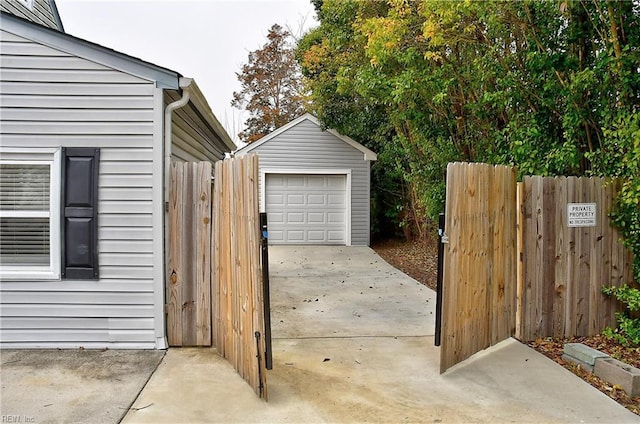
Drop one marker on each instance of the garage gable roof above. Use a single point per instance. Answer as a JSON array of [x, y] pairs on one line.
[[368, 154]]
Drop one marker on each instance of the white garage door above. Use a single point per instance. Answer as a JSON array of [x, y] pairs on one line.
[[306, 209]]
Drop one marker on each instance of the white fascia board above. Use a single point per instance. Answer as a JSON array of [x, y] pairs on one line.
[[201, 104], [163, 77], [56, 14], [368, 154]]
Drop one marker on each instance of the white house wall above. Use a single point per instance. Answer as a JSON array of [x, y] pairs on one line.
[[51, 99], [305, 146]]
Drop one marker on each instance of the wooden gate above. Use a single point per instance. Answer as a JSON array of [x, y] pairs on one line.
[[238, 314], [214, 280], [478, 308]]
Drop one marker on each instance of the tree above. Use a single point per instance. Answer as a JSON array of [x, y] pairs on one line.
[[551, 87], [272, 88]]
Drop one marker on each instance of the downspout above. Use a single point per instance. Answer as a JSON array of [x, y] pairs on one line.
[[168, 135], [184, 84]]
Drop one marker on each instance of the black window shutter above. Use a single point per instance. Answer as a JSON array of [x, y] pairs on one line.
[[79, 199]]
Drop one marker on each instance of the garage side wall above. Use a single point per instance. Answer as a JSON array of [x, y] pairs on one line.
[[51, 99], [306, 147]]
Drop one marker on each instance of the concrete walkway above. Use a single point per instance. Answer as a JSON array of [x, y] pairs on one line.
[[72, 385], [353, 342]]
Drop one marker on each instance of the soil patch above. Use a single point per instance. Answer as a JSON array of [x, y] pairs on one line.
[[419, 260]]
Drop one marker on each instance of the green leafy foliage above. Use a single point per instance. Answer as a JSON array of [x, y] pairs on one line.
[[628, 331], [551, 87]]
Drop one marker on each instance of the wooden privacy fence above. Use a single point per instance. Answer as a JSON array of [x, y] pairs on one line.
[[527, 260], [238, 314], [189, 263], [478, 308], [214, 280], [569, 250]]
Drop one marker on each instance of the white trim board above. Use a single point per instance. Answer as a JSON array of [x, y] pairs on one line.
[[295, 171]]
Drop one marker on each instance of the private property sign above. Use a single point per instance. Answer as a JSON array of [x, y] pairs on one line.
[[581, 214]]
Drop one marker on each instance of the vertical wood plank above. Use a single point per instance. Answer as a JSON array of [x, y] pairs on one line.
[[520, 261], [548, 254], [188, 272], [174, 262], [215, 261], [511, 264], [582, 304], [595, 255], [451, 264], [561, 253], [572, 268], [480, 271], [203, 255]]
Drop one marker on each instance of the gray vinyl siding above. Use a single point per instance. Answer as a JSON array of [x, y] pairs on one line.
[[193, 139], [41, 13], [49, 98], [306, 146]]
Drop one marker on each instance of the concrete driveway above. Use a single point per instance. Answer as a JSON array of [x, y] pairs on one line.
[[353, 342]]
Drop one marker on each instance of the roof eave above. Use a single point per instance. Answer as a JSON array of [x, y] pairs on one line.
[[56, 14], [201, 104], [164, 77]]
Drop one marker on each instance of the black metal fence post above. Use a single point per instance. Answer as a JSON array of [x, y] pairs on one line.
[[264, 244], [441, 242]]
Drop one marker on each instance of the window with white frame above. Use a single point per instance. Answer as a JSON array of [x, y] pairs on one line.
[[30, 214]]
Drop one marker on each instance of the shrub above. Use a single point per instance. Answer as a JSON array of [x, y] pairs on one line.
[[628, 331]]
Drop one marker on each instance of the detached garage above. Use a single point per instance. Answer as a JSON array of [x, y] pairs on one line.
[[314, 185]]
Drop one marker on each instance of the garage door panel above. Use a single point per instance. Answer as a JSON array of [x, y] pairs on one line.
[[316, 199], [275, 217], [335, 199], [295, 217], [295, 236], [276, 180], [335, 218], [276, 236], [316, 236], [275, 199], [316, 181], [295, 199], [316, 218], [335, 236], [306, 208], [295, 181], [335, 181]]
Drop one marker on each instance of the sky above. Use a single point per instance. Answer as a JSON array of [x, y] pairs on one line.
[[208, 40]]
